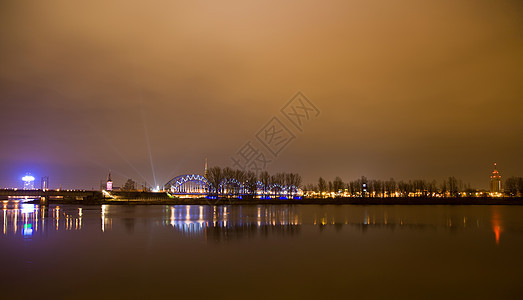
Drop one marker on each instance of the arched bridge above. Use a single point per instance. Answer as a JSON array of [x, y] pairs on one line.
[[194, 184], [188, 184]]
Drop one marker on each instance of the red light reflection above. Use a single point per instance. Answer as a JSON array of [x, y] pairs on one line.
[[496, 224]]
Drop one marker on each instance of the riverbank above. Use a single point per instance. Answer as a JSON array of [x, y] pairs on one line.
[[306, 201]]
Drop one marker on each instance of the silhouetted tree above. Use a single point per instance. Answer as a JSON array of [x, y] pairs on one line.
[[390, 186], [265, 179], [293, 182], [250, 183], [511, 186], [338, 184], [129, 185], [322, 185], [444, 187], [215, 177], [453, 186], [419, 186], [432, 187]]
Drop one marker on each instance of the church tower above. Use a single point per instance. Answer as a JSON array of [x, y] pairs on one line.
[[495, 183], [109, 186]]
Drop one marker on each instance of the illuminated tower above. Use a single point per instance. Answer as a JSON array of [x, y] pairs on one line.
[[45, 183], [495, 183], [109, 186], [28, 182]]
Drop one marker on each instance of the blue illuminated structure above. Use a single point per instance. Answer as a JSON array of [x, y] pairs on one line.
[[188, 184], [197, 185], [28, 182]]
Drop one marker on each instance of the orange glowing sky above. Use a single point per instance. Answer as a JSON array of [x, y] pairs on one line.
[[406, 89]]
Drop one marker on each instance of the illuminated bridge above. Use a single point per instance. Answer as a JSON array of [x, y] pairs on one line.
[[198, 185], [66, 194], [188, 184]]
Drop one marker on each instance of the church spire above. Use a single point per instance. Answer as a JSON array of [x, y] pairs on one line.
[[205, 172]]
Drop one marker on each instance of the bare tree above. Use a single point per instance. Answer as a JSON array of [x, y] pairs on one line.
[[511, 186], [215, 177], [129, 185], [265, 179], [322, 185], [390, 187], [338, 184], [453, 186], [293, 182], [250, 183]]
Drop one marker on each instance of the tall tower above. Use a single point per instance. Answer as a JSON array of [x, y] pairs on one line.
[[205, 172], [109, 186], [45, 183], [495, 183]]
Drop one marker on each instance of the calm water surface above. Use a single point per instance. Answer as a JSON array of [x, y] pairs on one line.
[[267, 251]]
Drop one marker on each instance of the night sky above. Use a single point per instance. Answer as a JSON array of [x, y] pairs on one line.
[[149, 89]]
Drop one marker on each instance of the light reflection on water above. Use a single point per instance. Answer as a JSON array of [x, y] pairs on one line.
[[263, 251], [26, 219]]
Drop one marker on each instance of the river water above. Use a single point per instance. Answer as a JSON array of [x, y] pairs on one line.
[[261, 251]]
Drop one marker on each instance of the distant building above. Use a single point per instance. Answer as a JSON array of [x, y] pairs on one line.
[[109, 186], [28, 182], [495, 183], [45, 183]]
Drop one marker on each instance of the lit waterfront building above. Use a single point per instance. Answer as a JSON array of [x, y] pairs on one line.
[[495, 183], [109, 186]]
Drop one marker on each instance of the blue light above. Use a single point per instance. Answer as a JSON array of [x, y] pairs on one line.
[[28, 229], [28, 178]]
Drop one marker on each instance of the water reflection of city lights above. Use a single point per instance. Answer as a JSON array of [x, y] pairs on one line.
[[25, 219], [28, 229], [27, 208], [32, 218], [223, 221], [104, 207]]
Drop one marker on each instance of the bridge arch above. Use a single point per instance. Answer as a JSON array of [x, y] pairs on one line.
[[188, 184], [231, 186]]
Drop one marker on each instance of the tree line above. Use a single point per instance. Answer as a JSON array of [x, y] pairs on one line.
[[514, 186], [390, 188], [231, 182]]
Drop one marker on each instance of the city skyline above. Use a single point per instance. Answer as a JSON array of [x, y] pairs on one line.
[[497, 186]]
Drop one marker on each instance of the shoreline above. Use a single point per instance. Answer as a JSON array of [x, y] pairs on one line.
[[304, 201]]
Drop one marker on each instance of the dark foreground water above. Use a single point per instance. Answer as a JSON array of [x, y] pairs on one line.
[[273, 251]]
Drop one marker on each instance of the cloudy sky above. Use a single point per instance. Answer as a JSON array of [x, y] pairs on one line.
[[149, 89]]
